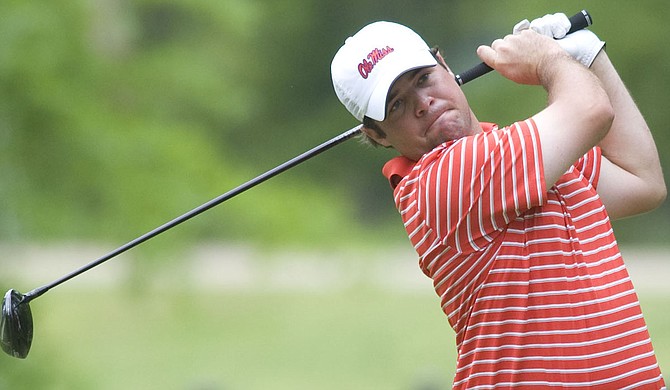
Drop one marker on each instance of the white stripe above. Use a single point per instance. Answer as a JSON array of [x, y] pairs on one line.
[[597, 237], [430, 265], [410, 207], [550, 226], [559, 265], [559, 357], [587, 214], [404, 198], [597, 223], [423, 239], [562, 384], [577, 192], [542, 214], [503, 189], [513, 159], [526, 257], [575, 206], [556, 279], [556, 319], [471, 201], [536, 159], [579, 330], [492, 189], [538, 241], [482, 186], [437, 200], [570, 384], [411, 219], [425, 192], [415, 231], [524, 160], [570, 182], [523, 309], [556, 292], [603, 341], [448, 206], [603, 248], [460, 195], [567, 371]]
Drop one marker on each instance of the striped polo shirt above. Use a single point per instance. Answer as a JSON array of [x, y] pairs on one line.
[[529, 277]]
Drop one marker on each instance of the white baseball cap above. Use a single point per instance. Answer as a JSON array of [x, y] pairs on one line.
[[370, 61]]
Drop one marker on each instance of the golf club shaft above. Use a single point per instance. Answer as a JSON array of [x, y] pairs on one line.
[[198, 210], [469, 75], [578, 21]]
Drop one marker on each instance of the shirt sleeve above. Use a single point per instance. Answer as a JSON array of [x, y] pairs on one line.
[[589, 165], [477, 185]]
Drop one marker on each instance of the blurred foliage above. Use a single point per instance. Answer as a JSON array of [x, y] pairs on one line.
[[117, 115]]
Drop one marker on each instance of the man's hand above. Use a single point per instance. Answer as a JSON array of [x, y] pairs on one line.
[[552, 25], [582, 45], [579, 112], [523, 58]]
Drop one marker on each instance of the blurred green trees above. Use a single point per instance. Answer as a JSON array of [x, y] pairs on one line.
[[116, 116]]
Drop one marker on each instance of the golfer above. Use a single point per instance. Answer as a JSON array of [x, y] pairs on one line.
[[512, 223]]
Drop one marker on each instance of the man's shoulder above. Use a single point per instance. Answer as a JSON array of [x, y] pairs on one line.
[[488, 126]]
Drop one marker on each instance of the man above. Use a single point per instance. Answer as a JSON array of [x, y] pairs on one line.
[[513, 224]]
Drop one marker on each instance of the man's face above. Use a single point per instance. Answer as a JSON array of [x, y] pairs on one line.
[[425, 107]]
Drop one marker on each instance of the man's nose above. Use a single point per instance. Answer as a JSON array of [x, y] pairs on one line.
[[423, 103]]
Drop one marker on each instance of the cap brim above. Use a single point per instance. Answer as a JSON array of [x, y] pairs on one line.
[[377, 105]]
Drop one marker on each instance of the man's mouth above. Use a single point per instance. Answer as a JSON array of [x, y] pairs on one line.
[[436, 121]]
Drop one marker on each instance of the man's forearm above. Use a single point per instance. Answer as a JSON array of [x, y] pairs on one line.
[[629, 144]]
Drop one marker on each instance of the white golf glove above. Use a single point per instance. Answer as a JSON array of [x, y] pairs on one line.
[[554, 26], [582, 45]]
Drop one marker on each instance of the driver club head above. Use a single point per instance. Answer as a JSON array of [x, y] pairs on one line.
[[16, 325]]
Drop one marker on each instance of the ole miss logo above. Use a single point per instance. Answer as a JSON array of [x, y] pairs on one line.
[[365, 67]]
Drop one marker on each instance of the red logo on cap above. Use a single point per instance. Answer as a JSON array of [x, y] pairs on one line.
[[365, 67]]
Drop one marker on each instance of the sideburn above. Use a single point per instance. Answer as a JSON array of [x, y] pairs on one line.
[[369, 123]]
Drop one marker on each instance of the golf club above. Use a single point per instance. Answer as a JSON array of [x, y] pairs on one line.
[[16, 324], [578, 21]]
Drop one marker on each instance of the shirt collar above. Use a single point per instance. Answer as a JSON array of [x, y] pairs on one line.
[[399, 167]]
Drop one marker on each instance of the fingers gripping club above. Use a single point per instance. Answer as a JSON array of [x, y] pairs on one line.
[[578, 22]]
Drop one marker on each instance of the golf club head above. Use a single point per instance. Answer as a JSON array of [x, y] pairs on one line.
[[16, 325]]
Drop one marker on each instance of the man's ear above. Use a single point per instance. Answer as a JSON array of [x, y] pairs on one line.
[[376, 135], [442, 62]]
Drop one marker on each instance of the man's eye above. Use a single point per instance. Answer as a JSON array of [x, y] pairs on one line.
[[424, 78], [396, 105]]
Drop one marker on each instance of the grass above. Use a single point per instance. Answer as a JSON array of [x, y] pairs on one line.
[[358, 338], [269, 335], [655, 310]]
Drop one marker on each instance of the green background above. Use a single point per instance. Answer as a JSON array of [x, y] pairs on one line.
[[118, 115]]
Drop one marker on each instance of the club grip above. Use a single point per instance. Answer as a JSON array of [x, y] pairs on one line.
[[578, 21]]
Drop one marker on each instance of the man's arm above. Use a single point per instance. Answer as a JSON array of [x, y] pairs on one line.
[[578, 115], [631, 181]]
